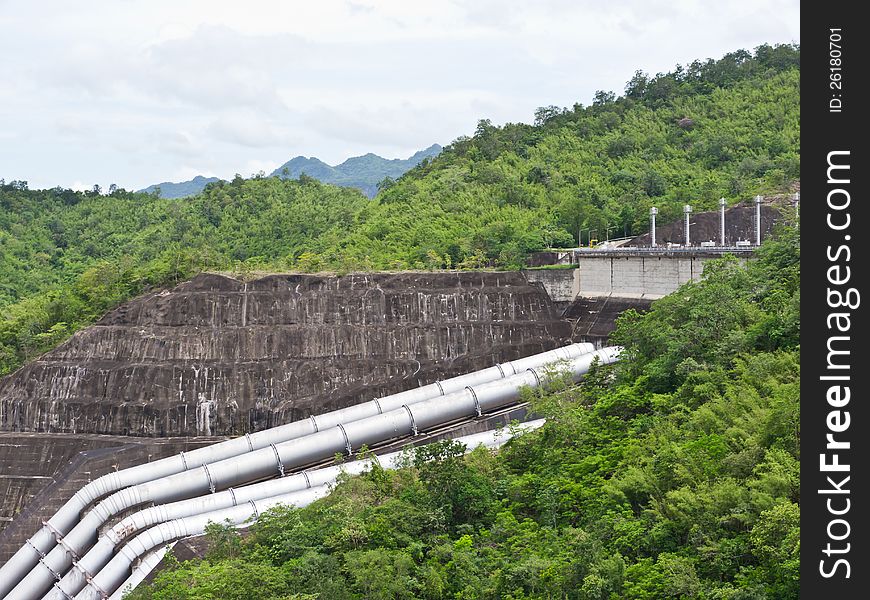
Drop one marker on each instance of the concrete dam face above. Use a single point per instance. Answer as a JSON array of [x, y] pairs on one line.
[[217, 356]]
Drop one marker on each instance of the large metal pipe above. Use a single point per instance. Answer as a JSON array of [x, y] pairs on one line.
[[143, 569], [262, 463], [110, 579], [102, 551], [491, 439], [65, 519], [722, 222], [112, 576], [653, 211]]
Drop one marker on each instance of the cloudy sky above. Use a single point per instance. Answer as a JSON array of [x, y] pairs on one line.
[[135, 92]]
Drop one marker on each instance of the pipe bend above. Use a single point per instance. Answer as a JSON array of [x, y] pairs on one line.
[[130, 549], [114, 504], [92, 492]]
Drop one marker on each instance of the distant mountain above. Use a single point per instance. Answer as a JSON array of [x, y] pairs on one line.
[[361, 172], [313, 167], [170, 190]]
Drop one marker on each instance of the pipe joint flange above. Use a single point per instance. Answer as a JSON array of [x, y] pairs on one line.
[[535, 373], [347, 445], [233, 496], [183, 460], [378, 404], [62, 591], [100, 591], [411, 416], [88, 576], [58, 538], [314, 423], [35, 549], [211, 485], [307, 480], [250, 443], [476, 401], [440, 388], [57, 576], [278, 460]]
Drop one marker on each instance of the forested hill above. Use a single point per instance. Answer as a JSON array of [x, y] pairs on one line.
[[727, 127], [364, 173], [672, 475]]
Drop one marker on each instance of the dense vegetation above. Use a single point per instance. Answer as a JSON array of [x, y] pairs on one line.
[[728, 127], [673, 474], [67, 258]]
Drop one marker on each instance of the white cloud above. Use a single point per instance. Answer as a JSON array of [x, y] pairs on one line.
[[80, 186], [251, 130], [70, 125], [180, 143], [187, 172], [393, 124], [254, 166]]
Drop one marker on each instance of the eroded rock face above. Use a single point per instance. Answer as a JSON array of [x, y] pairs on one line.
[[218, 356]]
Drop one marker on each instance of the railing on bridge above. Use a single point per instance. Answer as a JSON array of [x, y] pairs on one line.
[[664, 250], [571, 256]]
